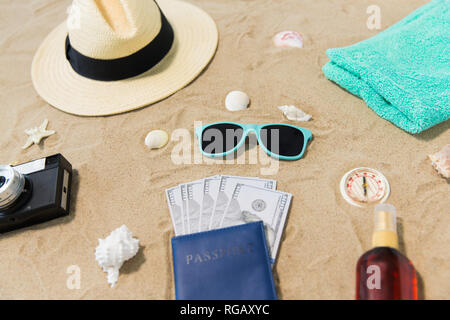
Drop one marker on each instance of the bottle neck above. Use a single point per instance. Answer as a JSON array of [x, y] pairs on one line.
[[385, 238]]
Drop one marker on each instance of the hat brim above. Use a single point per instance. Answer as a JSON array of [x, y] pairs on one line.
[[195, 44]]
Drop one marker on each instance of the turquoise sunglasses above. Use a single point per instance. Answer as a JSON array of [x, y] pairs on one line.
[[278, 140]]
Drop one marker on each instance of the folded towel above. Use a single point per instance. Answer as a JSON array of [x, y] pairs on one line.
[[403, 73]]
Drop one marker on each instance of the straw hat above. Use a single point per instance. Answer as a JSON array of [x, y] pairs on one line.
[[112, 56]]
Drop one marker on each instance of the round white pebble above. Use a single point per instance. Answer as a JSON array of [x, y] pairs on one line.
[[237, 100], [156, 139]]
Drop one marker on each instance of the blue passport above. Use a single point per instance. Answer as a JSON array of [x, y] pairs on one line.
[[224, 264]]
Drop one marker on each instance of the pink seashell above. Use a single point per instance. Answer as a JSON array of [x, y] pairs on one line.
[[288, 39], [441, 161]]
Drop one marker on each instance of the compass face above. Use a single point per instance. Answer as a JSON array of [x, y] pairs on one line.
[[364, 186]]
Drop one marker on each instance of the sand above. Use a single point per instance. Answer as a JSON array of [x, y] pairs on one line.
[[117, 180]]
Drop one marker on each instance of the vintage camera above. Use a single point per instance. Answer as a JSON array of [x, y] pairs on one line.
[[34, 192]]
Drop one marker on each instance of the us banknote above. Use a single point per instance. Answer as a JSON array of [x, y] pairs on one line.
[[194, 201], [185, 217], [226, 187], [173, 196], [249, 203], [209, 196]]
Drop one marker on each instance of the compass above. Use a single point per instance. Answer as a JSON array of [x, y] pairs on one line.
[[364, 186]]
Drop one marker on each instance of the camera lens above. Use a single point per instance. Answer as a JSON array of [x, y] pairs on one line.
[[2, 181], [12, 184]]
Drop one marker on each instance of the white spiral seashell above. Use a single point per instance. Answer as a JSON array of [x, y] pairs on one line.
[[112, 252], [236, 101], [156, 139]]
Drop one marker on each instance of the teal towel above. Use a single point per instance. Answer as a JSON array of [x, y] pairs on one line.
[[403, 73]]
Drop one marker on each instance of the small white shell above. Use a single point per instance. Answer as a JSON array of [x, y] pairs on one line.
[[236, 101], [441, 161], [294, 114], [288, 39], [113, 251], [156, 139]]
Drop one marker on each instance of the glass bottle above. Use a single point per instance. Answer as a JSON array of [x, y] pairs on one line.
[[383, 273]]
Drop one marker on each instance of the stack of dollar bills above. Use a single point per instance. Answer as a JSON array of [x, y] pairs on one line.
[[223, 201]]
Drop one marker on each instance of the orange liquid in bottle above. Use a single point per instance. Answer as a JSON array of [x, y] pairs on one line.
[[397, 276], [383, 273]]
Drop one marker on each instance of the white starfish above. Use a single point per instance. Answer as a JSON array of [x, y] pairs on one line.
[[36, 134]]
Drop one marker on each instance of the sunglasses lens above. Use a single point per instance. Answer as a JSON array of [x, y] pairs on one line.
[[282, 140], [221, 137]]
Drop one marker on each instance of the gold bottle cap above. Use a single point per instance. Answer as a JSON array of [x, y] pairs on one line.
[[385, 227]]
